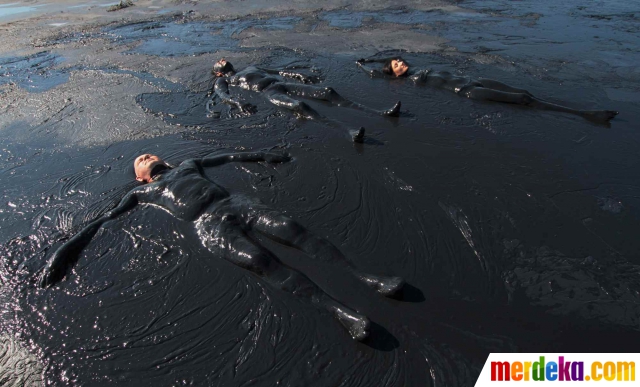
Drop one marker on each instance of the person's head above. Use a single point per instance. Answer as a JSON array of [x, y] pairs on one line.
[[143, 165], [395, 66], [223, 68]]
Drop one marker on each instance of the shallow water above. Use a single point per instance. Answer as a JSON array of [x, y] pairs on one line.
[[11, 9], [514, 228]]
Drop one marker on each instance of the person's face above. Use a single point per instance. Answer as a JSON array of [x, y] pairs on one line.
[[221, 63], [143, 165], [399, 67]]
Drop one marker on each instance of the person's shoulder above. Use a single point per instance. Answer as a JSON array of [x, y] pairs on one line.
[[189, 163], [419, 74], [418, 71], [248, 69]]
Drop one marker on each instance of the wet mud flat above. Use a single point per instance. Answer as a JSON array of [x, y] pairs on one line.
[[514, 228]]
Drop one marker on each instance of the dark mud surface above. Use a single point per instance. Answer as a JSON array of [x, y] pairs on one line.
[[514, 228]]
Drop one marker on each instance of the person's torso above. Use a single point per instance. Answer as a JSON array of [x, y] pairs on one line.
[[252, 78], [184, 192], [446, 80]]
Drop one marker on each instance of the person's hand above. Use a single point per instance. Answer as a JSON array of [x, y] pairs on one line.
[[276, 158], [247, 108], [55, 270]]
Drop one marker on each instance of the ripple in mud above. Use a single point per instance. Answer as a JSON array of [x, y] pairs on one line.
[[17, 366], [350, 19], [35, 72], [608, 292], [194, 38]]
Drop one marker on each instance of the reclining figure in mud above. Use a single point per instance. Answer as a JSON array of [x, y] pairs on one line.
[[222, 222], [280, 91], [480, 89]]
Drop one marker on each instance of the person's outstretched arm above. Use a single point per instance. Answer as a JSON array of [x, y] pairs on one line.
[[68, 253], [221, 88], [225, 158]]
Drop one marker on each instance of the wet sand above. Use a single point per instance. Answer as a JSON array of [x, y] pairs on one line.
[[514, 228]]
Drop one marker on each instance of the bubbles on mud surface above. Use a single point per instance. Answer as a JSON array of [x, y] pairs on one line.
[[394, 181], [488, 121], [35, 72]]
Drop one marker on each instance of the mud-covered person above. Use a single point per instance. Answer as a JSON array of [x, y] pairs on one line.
[[224, 223], [280, 86], [480, 89]]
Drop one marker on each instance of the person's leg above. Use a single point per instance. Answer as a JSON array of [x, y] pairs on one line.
[[276, 94], [287, 231], [330, 95], [491, 84], [482, 93], [227, 237]]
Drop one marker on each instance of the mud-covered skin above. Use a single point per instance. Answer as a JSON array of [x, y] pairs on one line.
[[483, 89], [279, 91], [222, 221]]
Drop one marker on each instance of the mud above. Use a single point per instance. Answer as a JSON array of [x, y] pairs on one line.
[[33, 72], [18, 367], [514, 228]]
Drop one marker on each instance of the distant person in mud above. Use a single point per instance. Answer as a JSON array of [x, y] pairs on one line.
[[480, 89], [279, 91], [222, 222]]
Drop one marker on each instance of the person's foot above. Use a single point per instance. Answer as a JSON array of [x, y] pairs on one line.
[[358, 135], [600, 115], [394, 111], [357, 324], [387, 286]]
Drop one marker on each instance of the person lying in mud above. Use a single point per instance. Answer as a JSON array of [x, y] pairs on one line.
[[223, 222], [280, 92], [480, 89]]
